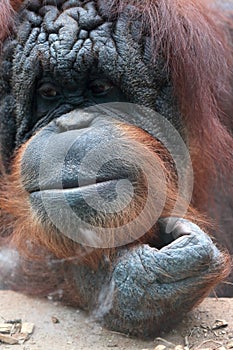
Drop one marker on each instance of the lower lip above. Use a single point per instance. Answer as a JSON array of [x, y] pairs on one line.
[[78, 198], [68, 209]]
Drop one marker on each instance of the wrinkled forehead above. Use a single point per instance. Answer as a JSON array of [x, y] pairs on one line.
[[76, 35], [80, 6], [68, 17]]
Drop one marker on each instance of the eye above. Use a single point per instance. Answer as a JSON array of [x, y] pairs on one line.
[[100, 87], [48, 91]]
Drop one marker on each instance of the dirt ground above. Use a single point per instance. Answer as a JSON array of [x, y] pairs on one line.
[[58, 327]]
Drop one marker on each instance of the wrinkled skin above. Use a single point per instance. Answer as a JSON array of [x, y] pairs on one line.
[[72, 65], [70, 58], [148, 290]]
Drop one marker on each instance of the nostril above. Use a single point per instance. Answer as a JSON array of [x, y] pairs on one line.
[[74, 120]]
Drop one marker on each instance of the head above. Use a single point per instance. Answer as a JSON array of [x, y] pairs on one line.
[[74, 163]]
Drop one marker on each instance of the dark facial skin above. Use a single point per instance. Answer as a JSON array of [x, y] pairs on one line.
[[72, 58], [67, 58]]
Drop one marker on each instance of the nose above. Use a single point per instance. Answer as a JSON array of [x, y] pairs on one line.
[[75, 120]]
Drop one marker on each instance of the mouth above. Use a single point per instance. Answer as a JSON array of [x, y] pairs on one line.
[[73, 192], [89, 201], [86, 214]]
